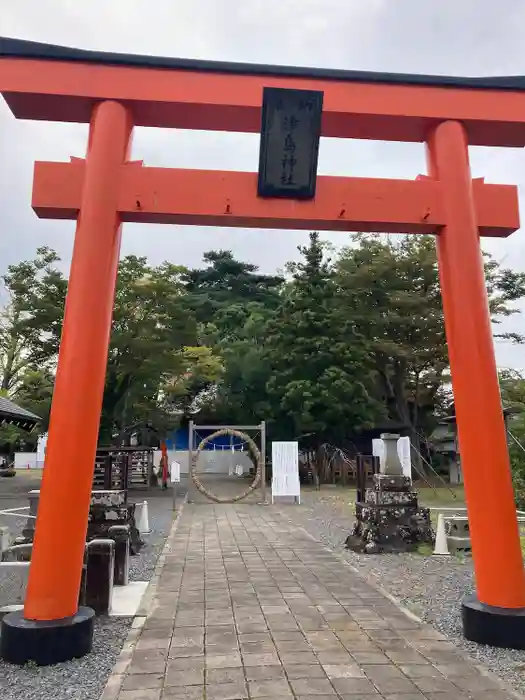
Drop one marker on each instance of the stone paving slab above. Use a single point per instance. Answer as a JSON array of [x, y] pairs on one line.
[[249, 606]]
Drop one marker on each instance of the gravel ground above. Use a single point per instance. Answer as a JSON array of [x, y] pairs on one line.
[[429, 586], [160, 512], [13, 581], [83, 679]]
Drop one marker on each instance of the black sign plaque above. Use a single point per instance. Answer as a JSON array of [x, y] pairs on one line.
[[290, 133]]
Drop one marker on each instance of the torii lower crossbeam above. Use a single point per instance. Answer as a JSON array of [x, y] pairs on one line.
[[211, 198]]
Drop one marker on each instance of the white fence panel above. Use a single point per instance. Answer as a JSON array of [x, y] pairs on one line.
[[27, 460], [285, 470]]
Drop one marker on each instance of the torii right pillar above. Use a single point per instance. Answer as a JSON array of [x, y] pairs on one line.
[[496, 615]]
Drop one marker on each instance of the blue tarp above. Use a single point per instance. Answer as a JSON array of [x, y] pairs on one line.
[[179, 440]]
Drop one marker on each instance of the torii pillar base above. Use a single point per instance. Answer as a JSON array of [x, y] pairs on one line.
[[496, 627], [46, 642]]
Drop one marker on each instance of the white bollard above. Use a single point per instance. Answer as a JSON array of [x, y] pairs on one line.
[[143, 524], [175, 479], [4, 539], [441, 546]]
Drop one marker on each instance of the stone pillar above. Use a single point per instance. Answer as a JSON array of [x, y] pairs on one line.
[[120, 535], [100, 575], [29, 529], [392, 464]]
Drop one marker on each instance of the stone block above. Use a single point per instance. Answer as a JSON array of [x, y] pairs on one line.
[[108, 508], [109, 498], [390, 520], [387, 482], [403, 498], [459, 544], [457, 526], [458, 534]]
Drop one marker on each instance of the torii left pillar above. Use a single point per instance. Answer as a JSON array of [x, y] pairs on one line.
[[52, 627]]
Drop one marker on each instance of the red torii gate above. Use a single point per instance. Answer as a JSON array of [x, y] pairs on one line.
[[115, 92]]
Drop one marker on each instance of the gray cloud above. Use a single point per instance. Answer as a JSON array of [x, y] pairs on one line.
[[471, 37]]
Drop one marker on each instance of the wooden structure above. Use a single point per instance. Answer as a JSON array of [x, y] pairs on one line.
[[367, 466], [121, 468], [114, 93], [11, 414]]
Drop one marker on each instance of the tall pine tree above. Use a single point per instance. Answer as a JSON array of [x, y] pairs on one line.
[[322, 379]]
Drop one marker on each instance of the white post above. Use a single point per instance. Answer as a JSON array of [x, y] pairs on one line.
[[441, 545], [143, 524], [4, 539], [175, 479]]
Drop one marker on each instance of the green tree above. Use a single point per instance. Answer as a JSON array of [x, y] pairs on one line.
[[512, 386], [37, 290], [395, 287], [226, 291], [153, 346], [14, 355], [152, 337], [241, 395], [232, 302], [321, 370]]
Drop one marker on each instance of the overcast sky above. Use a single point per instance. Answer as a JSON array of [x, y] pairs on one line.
[[454, 37]]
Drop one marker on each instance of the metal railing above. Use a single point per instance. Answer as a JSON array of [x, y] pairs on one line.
[[520, 514], [12, 512]]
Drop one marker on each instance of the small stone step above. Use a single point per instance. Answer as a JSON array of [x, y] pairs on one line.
[[6, 609], [459, 544]]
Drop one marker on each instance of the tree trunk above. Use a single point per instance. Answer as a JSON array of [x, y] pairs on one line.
[[312, 464]]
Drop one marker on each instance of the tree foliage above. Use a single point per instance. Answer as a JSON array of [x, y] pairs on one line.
[[395, 286], [153, 342], [396, 290], [512, 385], [322, 374], [331, 347]]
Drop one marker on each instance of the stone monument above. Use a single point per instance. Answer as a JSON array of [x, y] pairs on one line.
[[108, 510], [388, 517]]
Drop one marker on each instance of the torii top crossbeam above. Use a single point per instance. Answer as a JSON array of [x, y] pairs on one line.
[[54, 83]]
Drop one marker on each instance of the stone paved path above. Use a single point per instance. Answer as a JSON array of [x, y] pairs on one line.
[[249, 606]]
